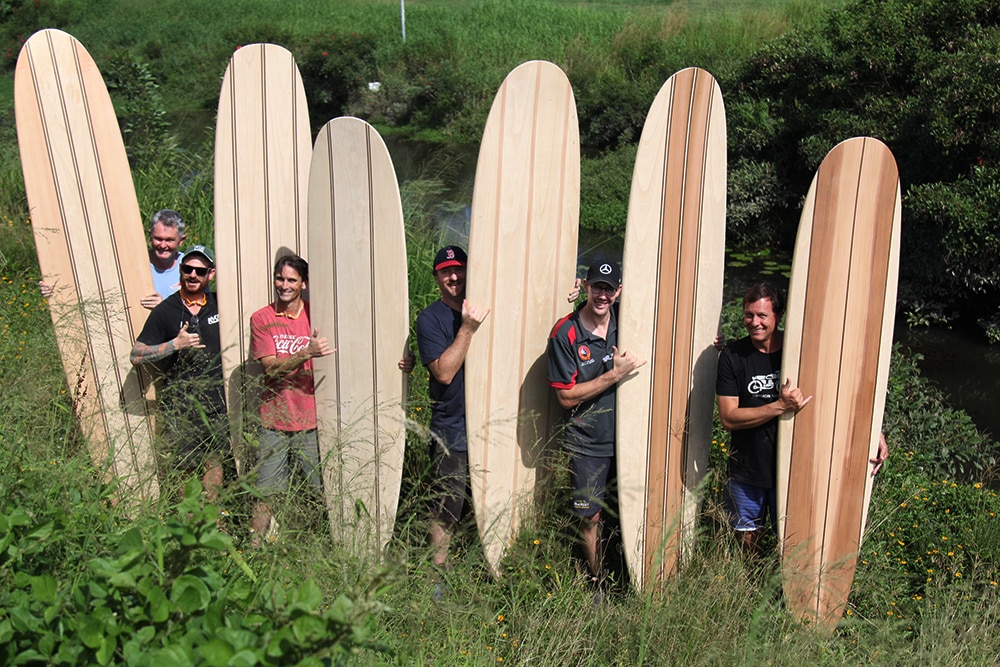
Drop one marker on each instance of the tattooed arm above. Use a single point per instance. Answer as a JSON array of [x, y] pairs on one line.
[[145, 354]]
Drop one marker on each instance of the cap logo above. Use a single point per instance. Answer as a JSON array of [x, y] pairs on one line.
[[584, 352], [449, 254], [605, 269]]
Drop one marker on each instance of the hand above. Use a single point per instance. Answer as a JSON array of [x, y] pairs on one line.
[[318, 347], [45, 289], [186, 339], [625, 362], [151, 301], [574, 293], [791, 397], [473, 315], [408, 361], [719, 342], [881, 455]]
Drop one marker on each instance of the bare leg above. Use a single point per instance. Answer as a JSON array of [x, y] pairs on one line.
[[261, 522], [211, 480], [590, 536], [440, 537], [750, 542]]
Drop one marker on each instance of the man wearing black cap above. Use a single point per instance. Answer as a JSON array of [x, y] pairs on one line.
[[444, 331], [585, 367], [182, 332]]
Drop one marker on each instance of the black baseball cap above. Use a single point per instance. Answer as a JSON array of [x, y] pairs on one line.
[[604, 272], [450, 255]]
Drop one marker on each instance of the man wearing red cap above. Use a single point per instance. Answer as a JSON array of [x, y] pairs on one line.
[[444, 331]]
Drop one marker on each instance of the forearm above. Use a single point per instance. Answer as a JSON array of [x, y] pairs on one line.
[[584, 391], [739, 419], [147, 354], [450, 362], [279, 367]]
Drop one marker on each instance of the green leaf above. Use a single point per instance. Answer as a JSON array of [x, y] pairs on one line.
[[216, 652], [244, 658], [190, 594], [107, 649], [309, 596], [308, 629], [43, 588]]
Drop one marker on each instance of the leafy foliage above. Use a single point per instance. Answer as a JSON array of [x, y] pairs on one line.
[[171, 590]]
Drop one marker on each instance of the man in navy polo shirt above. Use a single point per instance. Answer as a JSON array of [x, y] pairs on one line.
[[585, 367], [444, 331]]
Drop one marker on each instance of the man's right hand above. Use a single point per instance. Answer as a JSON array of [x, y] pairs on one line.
[[473, 315], [791, 398], [151, 301], [186, 339], [625, 362]]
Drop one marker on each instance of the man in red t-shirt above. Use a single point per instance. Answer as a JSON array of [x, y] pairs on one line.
[[285, 344]]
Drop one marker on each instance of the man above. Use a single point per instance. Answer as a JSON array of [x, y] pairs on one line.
[[166, 233], [283, 341], [182, 332], [585, 367], [444, 331], [751, 397]]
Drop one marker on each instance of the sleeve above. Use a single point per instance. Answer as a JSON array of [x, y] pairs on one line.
[[154, 331], [432, 339], [726, 382], [261, 342], [562, 364]]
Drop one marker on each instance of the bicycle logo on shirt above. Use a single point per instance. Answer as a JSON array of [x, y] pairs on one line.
[[759, 383]]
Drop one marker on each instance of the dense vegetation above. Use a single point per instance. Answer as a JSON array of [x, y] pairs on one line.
[[82, 582]]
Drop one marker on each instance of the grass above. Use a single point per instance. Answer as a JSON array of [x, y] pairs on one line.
[[918, 598]]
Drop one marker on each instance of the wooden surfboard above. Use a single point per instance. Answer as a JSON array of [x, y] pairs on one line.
[[837, 345], [670, 307], [91, 248], [262, 152], [360, 303], [522, 259]]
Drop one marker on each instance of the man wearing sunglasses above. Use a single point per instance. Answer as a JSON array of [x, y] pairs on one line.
[[585, 367], [182, 334]]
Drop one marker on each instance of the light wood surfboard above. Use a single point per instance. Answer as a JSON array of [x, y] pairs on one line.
[[262, 152], [837, 345], [360, 303], [91, 248], [522, 259], [670, 307]]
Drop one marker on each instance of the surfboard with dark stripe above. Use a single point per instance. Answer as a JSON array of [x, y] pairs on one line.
[[91, 248], [262, 152], [670, 306], [522, 259], [837, 345], [360, 303]]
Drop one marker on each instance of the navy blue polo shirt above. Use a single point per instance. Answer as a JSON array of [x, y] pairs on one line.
[[437, 326], [577, 355]]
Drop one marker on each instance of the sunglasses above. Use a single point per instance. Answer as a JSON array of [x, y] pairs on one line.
[[201, 271]]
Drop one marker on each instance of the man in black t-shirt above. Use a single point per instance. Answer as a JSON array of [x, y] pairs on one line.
[[751, 397], [585, 367], [182, 333], [444, 331]]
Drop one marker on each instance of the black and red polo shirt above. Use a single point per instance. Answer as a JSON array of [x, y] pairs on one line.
[[577, 355]]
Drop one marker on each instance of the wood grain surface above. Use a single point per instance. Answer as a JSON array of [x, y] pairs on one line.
[[522, 260], [670, 307], [837, 345], [262, 152], [91, 248], [360, 303]]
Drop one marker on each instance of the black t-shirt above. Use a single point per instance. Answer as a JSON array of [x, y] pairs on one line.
[[192, 378], [755, 377], [437, 326], [577, 355]]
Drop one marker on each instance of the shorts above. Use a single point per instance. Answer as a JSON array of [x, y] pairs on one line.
[[589, 477], [196, 436], [451, 484], [750, 507], [274, 467]]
